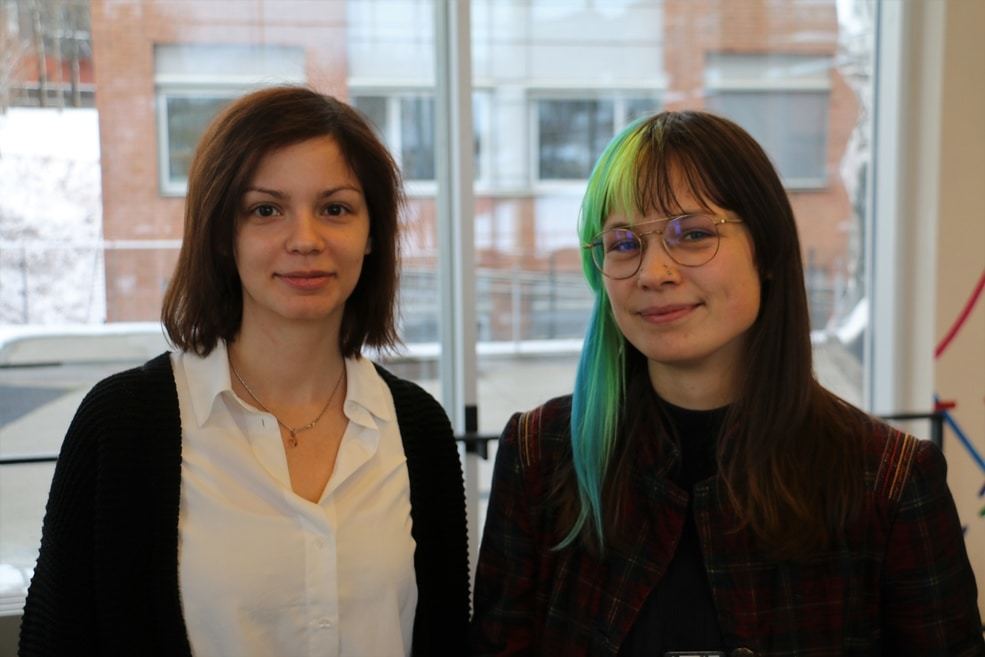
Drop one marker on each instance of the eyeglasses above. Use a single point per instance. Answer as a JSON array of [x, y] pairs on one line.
[[690, 240]]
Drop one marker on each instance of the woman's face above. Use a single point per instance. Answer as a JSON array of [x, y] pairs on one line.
[[689, 318], [302, 234]]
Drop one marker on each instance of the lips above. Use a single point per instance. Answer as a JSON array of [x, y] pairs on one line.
[[668, 313], [305, 280]]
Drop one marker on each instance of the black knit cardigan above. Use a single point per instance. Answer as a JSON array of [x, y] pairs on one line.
[[106, 581]]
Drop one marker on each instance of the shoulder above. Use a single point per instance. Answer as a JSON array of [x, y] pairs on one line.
[[419, 415], [139, 402], [409, 396], [149, 385], [898, 464], [404, 390], [542, 433]]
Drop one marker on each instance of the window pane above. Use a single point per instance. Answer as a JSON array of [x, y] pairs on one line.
[[572, 134], [374, 108], [411, 137], [417, 137], [798, 144], [638, 107], [186, 120], [88, 241]]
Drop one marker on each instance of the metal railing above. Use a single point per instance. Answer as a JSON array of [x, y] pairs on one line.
[[474, 443], [478, 443]]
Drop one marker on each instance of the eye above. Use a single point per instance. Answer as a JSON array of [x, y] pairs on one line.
[[335, 209], [695, 235], [264, 210], [691, 230], [621, 242], [624, 245]]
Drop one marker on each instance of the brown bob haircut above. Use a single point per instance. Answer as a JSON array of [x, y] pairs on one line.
[[204, 300]]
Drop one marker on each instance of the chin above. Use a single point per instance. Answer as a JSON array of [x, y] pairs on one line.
[[677, 360], [307, 314], [673, 355]]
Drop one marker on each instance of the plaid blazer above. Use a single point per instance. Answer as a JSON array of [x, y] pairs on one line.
[[902, 585]]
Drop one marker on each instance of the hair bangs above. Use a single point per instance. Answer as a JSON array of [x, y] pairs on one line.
[[670, 165]]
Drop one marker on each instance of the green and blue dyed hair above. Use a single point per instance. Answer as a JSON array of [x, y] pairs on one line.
[[601, 378], [632, 177], [783, 427]]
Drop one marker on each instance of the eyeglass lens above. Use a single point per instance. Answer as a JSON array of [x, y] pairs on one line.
[[690, 240]]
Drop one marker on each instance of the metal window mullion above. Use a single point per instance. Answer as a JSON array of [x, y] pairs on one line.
[[393, 128], [456, 241], [900, 251]]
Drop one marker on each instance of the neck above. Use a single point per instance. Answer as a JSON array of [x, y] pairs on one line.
[[698, 388], [290, 365]]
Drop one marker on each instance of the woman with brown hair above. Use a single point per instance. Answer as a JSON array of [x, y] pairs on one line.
[[264, 489], [700, 493]]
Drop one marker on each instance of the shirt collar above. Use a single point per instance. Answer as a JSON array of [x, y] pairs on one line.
[[208, 378], [367, 394], [366, 397]]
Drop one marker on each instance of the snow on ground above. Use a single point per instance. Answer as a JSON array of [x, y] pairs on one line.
[[51, 264]]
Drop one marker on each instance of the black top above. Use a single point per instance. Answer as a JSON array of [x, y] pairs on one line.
[[106, 581], [679, 613]]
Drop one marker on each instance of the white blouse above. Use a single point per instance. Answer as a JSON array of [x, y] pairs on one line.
[[265, 572]]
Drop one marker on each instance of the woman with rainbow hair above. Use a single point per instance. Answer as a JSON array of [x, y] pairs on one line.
[[700, 492]]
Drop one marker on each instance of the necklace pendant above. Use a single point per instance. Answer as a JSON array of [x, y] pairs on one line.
[[293, 440]]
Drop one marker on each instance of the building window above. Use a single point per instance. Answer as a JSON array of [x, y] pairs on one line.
[[417, 137], [405, 122], [186, 118], [571, 132], [194, 82], [783, 101]]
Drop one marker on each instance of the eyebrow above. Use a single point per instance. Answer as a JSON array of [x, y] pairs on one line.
[[281, 195], [626, 224]]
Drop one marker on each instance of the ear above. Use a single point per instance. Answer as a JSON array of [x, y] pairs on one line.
[[369, 246]]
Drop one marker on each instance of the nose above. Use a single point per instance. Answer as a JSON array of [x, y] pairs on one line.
[[305, 237], [657, 267]]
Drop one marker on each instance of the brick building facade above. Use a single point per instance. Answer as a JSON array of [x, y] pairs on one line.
[[702, 52]]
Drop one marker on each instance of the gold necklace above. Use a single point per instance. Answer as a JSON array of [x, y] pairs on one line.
[[294, 431]]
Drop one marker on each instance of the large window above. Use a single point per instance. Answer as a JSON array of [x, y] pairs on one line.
[[91, 199]]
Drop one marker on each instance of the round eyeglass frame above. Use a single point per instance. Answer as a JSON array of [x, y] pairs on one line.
[[716, 222]]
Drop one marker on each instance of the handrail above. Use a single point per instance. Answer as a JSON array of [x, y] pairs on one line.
[[478, 443], [475, 443], [936, 418], [28, 458]]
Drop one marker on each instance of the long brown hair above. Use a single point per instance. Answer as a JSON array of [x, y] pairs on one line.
[[792, 457], [204, 301]]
